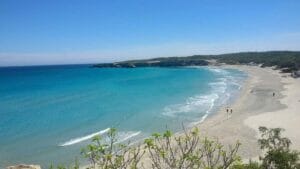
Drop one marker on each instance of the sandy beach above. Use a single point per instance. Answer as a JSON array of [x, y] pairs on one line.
[[256, 106]]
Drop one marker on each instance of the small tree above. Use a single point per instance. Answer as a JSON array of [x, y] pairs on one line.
[[277, 148], [189, 151], [71, 166], [111, 154], [250, 165]]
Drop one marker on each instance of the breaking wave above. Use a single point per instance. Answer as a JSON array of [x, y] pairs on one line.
[[220, 93], [121, 136], [191, 104], [124, 136], [81, 139]]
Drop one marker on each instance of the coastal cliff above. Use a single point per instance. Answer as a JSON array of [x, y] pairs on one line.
[[159, 62], [286, 61]]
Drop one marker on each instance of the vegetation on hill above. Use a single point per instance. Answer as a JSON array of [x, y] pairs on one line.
[[287, 60], [187, 151], [158, 62], [290, 61]]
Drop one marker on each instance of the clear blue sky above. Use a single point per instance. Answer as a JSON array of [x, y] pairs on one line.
[[85, 31]]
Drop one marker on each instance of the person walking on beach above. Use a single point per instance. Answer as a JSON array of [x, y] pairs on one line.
[[227, 111], [230, 111], [273, 94]]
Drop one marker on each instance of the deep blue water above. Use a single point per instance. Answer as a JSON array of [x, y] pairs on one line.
[[48, 113]]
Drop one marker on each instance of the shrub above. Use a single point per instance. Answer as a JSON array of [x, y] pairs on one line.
[[111, 154], [277, 150], [189, 151], [250, 165]]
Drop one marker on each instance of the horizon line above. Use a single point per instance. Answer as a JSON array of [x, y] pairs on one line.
[[91, 63]]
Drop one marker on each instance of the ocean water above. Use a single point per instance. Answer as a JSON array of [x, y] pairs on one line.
[[48, 113]]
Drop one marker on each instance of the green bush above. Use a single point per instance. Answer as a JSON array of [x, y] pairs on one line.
[[187, 151], [277, 150], [250, 165], [111, 154]]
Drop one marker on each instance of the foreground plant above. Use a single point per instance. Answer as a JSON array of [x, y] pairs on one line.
[[277, 150], [75, 165], [189, 151], [111, 154]]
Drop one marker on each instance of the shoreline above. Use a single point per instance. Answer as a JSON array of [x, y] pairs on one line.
[[255, 106], [254, 100]]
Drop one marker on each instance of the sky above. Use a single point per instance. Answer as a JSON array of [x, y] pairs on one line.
[[42, 32]]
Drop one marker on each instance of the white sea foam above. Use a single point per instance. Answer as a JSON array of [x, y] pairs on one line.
[[217, 96], [191, 104], [219, 71], [80, 139], [205, 115], [222, 87], [206, 102], [123, 136], [236, 84]]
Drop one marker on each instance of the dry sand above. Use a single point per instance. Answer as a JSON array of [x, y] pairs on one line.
[[256, 106], [288, 117]]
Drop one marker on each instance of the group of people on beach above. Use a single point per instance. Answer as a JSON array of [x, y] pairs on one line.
[[229, 111]]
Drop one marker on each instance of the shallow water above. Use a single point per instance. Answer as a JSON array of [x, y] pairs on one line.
[[48, 113]]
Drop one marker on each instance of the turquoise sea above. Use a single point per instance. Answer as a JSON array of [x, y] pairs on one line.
[[47, 113]]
